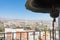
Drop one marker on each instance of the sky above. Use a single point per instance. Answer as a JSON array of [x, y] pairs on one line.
[[15, 9]]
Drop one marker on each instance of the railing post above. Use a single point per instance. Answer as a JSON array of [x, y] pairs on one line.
[[27, 36], [33, 35], [39, 35], [59, 34], [50, 34], [45, 34], [4, 36], [55, 34], [20, 35], [12, 35]]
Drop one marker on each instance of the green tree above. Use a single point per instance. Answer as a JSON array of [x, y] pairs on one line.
[[2, 29], [36, 29], [27, 28]]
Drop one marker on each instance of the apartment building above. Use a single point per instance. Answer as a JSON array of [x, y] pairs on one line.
[[17, 33]]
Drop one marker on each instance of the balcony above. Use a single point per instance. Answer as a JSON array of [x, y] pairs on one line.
[[31, 35]]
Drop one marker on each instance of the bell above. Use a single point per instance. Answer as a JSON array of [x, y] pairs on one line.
[[44, 6]]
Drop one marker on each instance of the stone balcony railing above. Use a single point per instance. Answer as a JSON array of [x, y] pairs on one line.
[[36, 35]]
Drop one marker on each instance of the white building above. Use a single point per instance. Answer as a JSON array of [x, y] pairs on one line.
[[16, 34]]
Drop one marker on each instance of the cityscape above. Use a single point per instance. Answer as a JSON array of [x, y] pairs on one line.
[[29, 20], [23, 28], [32, 24]]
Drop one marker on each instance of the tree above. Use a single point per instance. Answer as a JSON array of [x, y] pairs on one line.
[[37, 29], [27, 28], [2, 29]]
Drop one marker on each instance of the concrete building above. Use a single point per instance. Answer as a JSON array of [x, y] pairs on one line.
[[17, 34]]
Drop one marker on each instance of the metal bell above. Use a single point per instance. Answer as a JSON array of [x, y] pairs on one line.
[[43, 6]]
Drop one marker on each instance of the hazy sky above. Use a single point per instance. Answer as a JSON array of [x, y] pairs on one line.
[[15, 9]]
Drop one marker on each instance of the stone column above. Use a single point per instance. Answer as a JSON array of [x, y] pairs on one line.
[[59, 26]]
